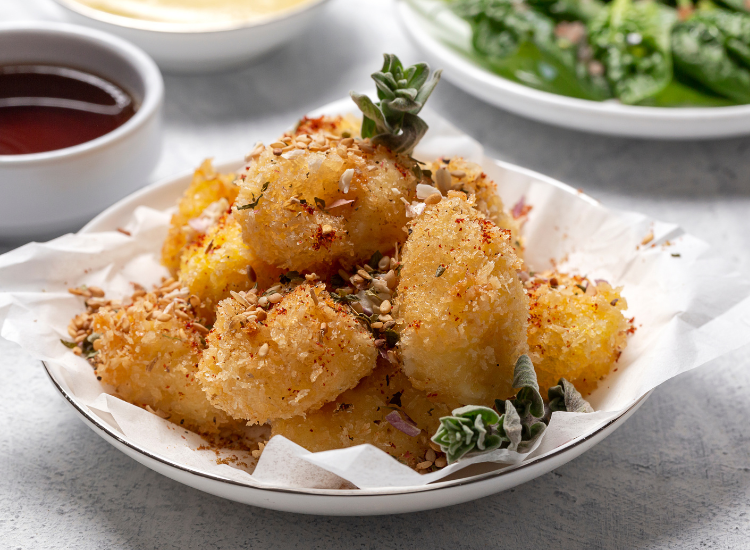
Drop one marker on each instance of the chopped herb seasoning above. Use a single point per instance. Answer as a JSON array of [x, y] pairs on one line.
[[320, 203], [253, 204], [440, 270]]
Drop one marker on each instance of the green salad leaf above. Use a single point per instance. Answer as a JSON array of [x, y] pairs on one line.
[[713, 47], [632, 42]]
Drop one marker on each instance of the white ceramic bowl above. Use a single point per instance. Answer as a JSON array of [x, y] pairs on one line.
[[591, 116], [190, 48], [56, 191], [486, 479]]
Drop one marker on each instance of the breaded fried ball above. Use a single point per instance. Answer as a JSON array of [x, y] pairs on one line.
[[207, 188], [152, 361], [358, 417], [220, 262], [574, 333], [307, 208], [302, 355], [468, 177], [462, 304]]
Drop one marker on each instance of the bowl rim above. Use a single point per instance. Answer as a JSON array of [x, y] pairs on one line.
[[184, 28], [458, 63], [137, 198], [144, 66]]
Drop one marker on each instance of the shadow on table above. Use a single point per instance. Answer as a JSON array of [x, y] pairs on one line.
[[677, 467]]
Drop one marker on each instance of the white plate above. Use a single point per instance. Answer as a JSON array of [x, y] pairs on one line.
[[580, 114], [484, 482], [192, 49]]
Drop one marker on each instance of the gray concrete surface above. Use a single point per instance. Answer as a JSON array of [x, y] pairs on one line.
[[677, 475]]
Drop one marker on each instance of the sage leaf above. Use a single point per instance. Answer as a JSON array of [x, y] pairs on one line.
[[402, 92], [565, 397]]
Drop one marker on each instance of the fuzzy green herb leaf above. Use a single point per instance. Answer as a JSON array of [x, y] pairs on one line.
[[402, 92], [469, 429], [565, 397]]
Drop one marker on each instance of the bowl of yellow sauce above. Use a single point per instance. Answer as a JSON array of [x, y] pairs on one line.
[[191, 36]]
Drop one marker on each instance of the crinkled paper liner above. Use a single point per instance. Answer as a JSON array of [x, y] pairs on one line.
[[689, 309]]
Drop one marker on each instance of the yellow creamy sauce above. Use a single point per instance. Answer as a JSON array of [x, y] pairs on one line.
[[194, 11]]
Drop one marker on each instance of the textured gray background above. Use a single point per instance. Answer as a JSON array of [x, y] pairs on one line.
[[677, 475]]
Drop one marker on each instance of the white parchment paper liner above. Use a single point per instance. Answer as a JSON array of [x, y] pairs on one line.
[[689, 308]]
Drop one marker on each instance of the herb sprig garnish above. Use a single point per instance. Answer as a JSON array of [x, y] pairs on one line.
[[393, 121], [477, 429], [252, 205]]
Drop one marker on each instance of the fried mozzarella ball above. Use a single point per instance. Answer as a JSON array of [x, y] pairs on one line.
[[209, 195], [220, 262], [576, 329], [462, 175], [462, 306], [358, 416], [307, 207], [151, 358], [305, 351]]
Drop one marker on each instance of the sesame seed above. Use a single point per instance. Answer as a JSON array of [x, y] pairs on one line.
[[424, 465], [237, 296], [377, 325], [275, 298], [195, 301], [263, 301], [96, 291], [385, 307], [263, 351], [346, 142], [443, 180], [362, 273], [430, 455], [277, 152], [163, 317], [200, 328], [433, 199], [278, 145], [458, 173], [384, 262], [441, 462]]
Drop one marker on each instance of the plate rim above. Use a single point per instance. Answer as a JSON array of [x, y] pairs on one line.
[[132, 201], [424, 40]]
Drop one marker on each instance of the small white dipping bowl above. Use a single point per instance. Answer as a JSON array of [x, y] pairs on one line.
[[44, 194], [189, 48]]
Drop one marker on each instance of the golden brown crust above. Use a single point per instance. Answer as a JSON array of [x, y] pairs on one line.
[[207, 188], [286, 364], [574, 333], [463, 307], [358, 416], [304, 220]]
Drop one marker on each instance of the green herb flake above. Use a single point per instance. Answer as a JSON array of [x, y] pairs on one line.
[[253, 204], [69, 345], [320, 203], [375, 259], [391, 338]]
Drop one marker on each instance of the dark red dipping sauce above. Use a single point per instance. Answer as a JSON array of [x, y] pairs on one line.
[[46, 107]]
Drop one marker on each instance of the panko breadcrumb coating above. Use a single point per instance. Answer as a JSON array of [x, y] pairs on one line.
[[220, 262], [306, 352], [463, 306], [462, 175], [339, 126], [208, 187], [151, 358], [574, 333], [358, 417], [305, 208]]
